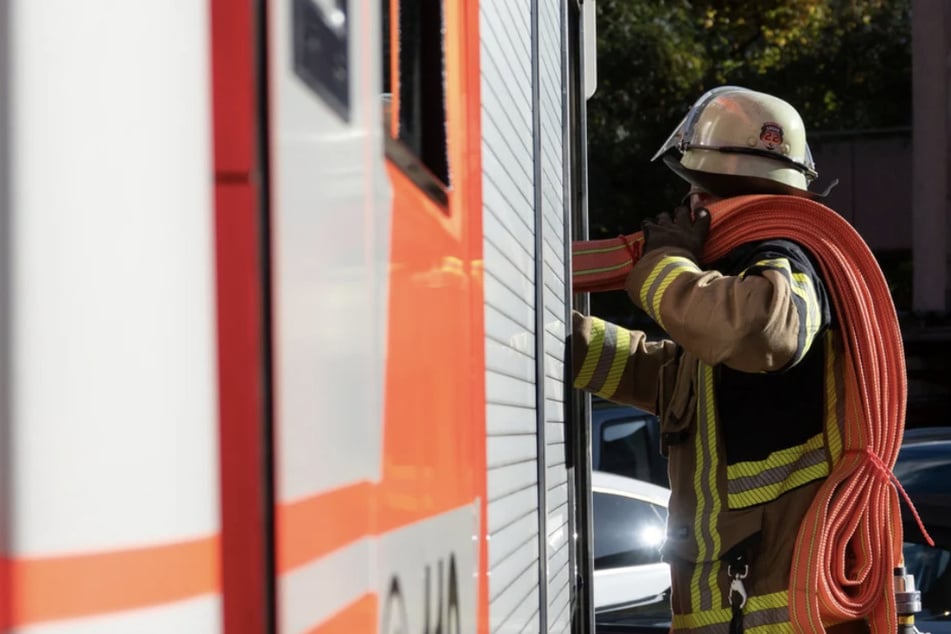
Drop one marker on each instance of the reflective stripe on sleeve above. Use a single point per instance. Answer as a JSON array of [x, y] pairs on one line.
[[605, 359], [592, 354], [664, 273], [805, 299]]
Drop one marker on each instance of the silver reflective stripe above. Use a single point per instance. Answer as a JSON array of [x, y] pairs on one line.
[[606, 360], [774, 475]]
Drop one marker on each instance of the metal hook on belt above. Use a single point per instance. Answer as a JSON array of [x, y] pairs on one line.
[[736, 585], [737, 594]]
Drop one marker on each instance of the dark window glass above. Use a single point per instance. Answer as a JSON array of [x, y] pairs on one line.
[[421, 150], [422, 88], [932, 572], [321, 51], [627, 531], [624, 446], [385, 23]]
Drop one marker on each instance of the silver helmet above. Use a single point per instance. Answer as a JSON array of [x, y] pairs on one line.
[[738, 141]]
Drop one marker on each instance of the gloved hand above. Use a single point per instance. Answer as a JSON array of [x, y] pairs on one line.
[[678, 230]]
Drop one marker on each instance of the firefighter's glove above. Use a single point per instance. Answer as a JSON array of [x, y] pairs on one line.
[[680, 229]]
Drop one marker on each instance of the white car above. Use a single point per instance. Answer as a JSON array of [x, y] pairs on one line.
[[631, 583]]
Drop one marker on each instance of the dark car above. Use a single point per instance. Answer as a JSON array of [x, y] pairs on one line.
[[924, 469], [626, 441]]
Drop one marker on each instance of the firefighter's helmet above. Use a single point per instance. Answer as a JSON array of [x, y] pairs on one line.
[[738, 141]]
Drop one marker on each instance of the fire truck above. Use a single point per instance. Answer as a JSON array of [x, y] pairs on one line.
[[284, 291]]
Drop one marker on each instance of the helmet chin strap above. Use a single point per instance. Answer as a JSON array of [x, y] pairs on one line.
[[825, 192], [703, 198]]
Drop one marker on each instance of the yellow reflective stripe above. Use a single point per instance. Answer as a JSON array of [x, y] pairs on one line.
[[663, 274], [700, 517], [768, 601], [702, 618], [779, 458], [801, 284], [833, 393], [776, 263], [803, 287], [706, 491], [765, 486], [621, 352], [772, 491], [668, 278], [651, 278], [772, 263], [592, 355], [753, 622], [662, 288], [714, 467]]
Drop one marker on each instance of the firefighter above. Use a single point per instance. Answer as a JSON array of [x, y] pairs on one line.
[[748, 387]]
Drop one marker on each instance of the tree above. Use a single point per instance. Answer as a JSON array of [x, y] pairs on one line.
[[844, 64]]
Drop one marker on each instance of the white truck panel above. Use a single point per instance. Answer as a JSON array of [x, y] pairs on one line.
[[509, 256], [523, 167], [112, 417], [201, 616], [330, 219]]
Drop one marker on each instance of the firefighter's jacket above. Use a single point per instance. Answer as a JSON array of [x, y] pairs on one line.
[[749, 393]]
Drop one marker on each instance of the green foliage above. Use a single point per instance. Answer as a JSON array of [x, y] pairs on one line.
[[844, 64]]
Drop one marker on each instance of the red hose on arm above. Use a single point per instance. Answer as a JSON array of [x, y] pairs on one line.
[[850, 539]]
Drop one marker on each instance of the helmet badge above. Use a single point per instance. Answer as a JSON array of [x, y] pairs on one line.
[[771, 134]]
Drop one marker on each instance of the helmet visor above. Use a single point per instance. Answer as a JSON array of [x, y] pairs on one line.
[[675, 140], [683, 132]]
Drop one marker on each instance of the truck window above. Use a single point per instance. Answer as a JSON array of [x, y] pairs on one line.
[[414, 93]]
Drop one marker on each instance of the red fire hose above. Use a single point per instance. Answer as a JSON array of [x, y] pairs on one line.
[[850, 539]]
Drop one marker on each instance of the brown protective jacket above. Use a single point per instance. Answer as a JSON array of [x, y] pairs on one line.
[[749, 399]]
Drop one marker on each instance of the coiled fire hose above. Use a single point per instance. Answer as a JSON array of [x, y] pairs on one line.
[[851, 537]]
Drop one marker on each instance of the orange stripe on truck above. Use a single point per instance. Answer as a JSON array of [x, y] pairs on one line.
[[359, 616], [319, 524], [55, 588]]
